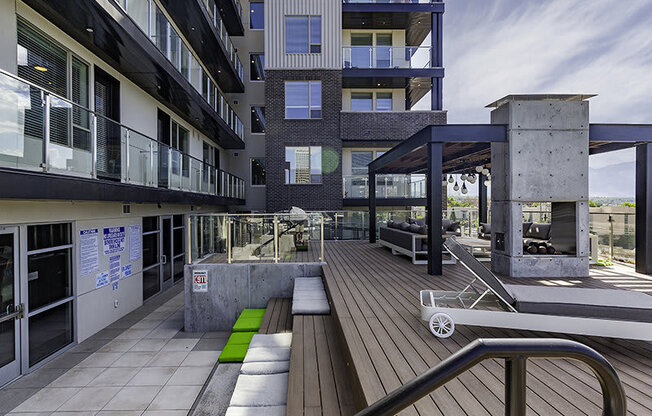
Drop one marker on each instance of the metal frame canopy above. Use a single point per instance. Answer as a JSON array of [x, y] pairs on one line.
[[441, 149]]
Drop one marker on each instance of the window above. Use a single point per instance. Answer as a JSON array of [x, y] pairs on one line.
[[359, 162], [303, 165], [383, 101], [258, 172], [302, 99], [302, 34], [362, 101], [258, 119], [257, 67], [256, 16]]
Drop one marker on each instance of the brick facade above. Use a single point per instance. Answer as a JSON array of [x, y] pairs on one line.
[[324, 132], [386, 126]]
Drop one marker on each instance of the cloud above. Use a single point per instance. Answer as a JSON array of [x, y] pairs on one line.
[[502, 47]]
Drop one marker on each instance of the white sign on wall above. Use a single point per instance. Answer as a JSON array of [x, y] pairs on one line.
[[114, 240], [89, 251], [114, 268], [102, 279], [135, 242], [199, 281]]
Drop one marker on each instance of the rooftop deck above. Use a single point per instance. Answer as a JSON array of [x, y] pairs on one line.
[[375, 301], [375, 309]]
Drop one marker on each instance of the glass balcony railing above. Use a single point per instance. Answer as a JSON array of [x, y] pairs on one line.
[[402, 57], [216, 20], [387, 186], [44, 132], [151, 20]]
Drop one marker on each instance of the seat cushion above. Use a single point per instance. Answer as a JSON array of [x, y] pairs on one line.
[[539, 231], [526, 228], [589, 303]]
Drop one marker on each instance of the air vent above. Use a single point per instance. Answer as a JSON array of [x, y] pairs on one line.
[[126, 209], [236, 102]]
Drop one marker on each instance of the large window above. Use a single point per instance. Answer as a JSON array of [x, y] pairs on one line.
[[303, 164], [303, 99], [258, 171], [302, 34], [362, 101], [258, 119], [49, 288], [256, 16], [257, 67], [359, 162]]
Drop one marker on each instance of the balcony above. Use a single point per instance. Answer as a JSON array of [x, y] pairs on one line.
[[360, 127], [390, 189], [48, 134]]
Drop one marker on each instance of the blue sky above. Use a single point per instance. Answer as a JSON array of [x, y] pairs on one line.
[[499, 47]]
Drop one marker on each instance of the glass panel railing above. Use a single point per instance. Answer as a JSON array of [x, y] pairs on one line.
[[387, 186], [257, 237], [391, 1], [216, 20], [44, 132], [616, 233], [404, 57]]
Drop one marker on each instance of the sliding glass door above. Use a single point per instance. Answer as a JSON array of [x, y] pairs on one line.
[[9, 306]]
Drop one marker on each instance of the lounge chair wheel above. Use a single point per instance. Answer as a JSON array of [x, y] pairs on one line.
[[442, 325]]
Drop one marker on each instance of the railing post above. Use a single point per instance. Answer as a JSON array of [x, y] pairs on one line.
[[275, 239], [228, 240], [189, 236], [94, 146], [46, 132], [515, 386], [151, 163], [321, 237], [611, 238], [127, 144]]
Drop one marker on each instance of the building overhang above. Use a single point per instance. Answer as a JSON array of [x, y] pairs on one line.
[[117, 40], [416, 81], [20, 184], [231, 16], [193, 21]]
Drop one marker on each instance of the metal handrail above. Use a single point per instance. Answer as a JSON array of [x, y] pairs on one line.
[[515, 352]]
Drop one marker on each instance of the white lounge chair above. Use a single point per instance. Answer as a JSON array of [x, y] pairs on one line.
[[600, 312]]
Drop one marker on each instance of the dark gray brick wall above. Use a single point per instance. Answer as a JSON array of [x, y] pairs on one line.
[[323, 132], [386, 126]]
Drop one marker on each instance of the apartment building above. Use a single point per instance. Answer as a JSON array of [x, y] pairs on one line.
[[118, 119]]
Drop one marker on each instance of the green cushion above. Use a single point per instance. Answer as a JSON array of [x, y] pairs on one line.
[[233, 353], [240, 338], [252, 313], [247, 324]]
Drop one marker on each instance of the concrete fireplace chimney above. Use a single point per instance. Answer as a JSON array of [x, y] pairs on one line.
[[545, 160]]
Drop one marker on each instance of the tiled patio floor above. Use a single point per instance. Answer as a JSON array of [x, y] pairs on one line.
[[143, 364]]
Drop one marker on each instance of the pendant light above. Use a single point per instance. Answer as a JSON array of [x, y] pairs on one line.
[[464, 177], [450, 179], [464, 190], [485, 171], [456, 187], [478, 169]]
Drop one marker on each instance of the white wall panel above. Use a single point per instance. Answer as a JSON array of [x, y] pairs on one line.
[[331, 33]]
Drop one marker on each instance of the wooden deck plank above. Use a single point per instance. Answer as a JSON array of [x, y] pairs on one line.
[[295, 381], [265, 323], [329, 400]]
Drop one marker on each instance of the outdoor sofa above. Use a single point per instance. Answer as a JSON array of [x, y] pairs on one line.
[[411, 237]]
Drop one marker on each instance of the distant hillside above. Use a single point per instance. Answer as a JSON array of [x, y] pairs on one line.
[[615, 181]]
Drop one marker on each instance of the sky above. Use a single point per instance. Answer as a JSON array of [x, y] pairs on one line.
[[499, 47]]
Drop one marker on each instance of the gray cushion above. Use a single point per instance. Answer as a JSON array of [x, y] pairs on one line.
[[526, 228], [404, 226], [539, 231], [390, 223], [445, 223], [414, 228], [582, 302], [423, 229]]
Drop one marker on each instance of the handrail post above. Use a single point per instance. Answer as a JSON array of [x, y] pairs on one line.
[[275, 239], [189, 236], [94, 146], [46, 132], [321, 237], [228, 240], [515, 386], [127, 144], [151, 163]]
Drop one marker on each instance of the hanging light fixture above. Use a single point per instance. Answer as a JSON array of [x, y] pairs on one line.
[[444, 181], [485, 171], [486, 183], [464, 177], [464, 190], [472, 179], [456, 187], [478, 169], [450, 179]]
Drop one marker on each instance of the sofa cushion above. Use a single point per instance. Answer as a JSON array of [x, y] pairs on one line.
[[417, 221], [526, 228], [445, 223], [453, 227], [539, 231], [404, 226], [423, 229], [414, 228], [390, 223]]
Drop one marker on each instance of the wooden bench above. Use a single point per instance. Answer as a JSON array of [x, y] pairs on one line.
[[278, 316], [320, 380]]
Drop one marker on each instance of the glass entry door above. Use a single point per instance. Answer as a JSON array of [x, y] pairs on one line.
[[10, 306], [166, 252]]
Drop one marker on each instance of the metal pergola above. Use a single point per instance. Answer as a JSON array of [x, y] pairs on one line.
[[445, 149]]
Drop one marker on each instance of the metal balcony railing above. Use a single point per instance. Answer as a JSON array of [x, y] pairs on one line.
[[42, 131], [516, 353], [397, 57], [387, 186]]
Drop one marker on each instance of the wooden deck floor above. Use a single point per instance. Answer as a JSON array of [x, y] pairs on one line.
[[375, 302], [278, 317]]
